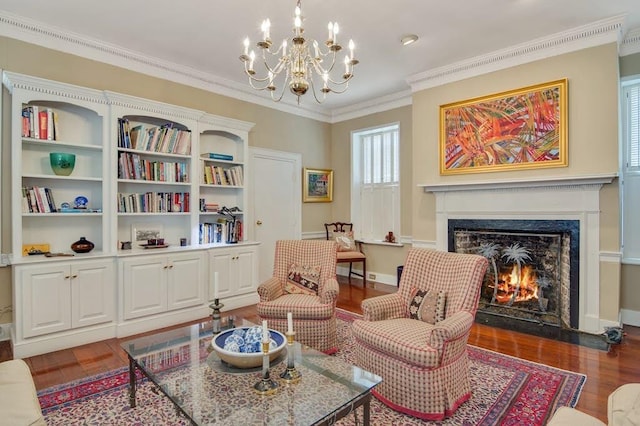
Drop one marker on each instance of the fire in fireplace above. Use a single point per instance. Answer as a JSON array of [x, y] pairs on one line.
[[532, 268]]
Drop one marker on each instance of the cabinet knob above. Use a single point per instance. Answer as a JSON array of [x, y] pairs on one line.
[[66, 277], [259, 223], [171, 266], [74, 276], [165, 266]]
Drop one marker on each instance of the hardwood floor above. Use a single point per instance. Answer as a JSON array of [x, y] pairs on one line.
[[605, 371]]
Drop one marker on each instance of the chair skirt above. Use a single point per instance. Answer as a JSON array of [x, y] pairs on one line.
[[426, 393]]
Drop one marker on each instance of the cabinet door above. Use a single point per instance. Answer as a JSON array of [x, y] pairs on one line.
[[46, 304], [144, 286], [92, 293], [220, 261], [185, 281], [245, 269]]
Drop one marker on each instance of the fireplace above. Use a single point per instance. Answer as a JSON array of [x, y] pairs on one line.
[[533, 264], [570, 204]]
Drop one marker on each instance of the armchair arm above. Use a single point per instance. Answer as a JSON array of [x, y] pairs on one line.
[[449, 336], [269, 290], [329, 292], [384, 307]]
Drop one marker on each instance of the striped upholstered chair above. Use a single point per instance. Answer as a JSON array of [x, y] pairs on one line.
[[301, 269], [416, 338]]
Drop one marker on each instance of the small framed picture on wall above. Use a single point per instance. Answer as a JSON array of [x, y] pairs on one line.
[[317, 186]]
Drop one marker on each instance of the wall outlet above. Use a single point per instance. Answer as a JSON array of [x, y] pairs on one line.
[[371, 276], [5, 331], [4, 259]]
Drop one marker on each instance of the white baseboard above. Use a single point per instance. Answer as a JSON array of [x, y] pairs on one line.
[[630, 317], [386, 279]]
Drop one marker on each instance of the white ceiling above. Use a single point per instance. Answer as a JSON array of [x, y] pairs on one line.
[[206, 36]]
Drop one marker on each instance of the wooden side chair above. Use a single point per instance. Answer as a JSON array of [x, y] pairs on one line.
[[349, 250]]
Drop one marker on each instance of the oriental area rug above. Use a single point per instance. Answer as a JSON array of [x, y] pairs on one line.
[[505, 391]]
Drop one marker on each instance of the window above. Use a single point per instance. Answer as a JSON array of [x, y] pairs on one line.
[[375, 187], [631, 170]]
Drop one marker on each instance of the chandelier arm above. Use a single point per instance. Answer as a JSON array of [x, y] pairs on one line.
[[315, 95]]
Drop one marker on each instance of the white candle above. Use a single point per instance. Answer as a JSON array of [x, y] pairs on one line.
[[265, 331], [215, 285], [289, 323]]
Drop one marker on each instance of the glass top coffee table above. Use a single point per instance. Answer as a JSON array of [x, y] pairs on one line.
[[183, 365]]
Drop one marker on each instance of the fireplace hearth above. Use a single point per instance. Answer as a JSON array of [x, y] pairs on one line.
[[533, 264]]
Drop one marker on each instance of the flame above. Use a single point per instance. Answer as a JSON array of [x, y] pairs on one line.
[[508, 282]]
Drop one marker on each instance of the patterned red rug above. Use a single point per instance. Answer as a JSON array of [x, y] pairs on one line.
[[506, 391]]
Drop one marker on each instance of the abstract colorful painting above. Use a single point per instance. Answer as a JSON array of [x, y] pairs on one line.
[[518, 129]]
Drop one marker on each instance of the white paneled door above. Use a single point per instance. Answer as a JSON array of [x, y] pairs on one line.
[[275, 200]]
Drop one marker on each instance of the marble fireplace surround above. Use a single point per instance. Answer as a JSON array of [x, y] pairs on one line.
[[557, 198]]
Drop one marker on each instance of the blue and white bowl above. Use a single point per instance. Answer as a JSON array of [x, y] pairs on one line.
[[232, 346]]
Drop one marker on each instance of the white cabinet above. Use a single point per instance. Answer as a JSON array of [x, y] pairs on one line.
[[61, 296], [156, 284], [237, 270]]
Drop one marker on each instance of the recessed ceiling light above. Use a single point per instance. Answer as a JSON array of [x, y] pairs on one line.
[[408, 39]]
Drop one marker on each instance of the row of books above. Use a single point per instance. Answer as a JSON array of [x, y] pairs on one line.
[[217, 175], [37, 200], [165, 138], [208, 207], [153, 202], [132, 166], [223, 231], [39, 123]]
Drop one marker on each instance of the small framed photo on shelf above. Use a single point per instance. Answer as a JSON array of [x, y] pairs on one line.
[[142, 232], [317, 185]]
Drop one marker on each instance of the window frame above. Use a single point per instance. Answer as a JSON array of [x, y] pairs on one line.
[[388, 190], [630, 175]]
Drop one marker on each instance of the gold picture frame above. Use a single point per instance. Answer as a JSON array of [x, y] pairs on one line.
[[519, 129], [317, 186]]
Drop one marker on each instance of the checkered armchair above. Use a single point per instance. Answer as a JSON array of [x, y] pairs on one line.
[[314, 319], [424, 366]]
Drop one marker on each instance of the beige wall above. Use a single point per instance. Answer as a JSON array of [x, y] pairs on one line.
[[381, 259], [630, 296], [593, 139], [273, 129]]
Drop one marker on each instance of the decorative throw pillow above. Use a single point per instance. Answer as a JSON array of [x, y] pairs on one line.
[[345, 241], [303, 279], [427, 306]]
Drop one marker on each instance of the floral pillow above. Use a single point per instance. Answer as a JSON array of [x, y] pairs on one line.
[[345, 241], [303, 279], [427, 305]]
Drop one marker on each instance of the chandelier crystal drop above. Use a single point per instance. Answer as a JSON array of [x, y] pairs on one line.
[[300, 64]]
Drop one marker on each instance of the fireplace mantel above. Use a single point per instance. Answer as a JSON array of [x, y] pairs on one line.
[[550, 198], [521, 183]]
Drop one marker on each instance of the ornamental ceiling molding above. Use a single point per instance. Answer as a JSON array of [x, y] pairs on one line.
[[586, 36], [40, 34]]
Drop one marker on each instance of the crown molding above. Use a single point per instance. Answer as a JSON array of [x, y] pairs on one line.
[[372, 106], [631, 43], [591, 35], [598, 33], [38, 33]]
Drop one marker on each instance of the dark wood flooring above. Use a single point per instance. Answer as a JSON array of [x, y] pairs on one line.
[[605, 371]]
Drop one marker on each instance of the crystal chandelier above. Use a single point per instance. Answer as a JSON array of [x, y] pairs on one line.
[[296, 67]]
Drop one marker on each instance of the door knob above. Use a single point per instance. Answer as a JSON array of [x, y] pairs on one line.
[[259, 223]]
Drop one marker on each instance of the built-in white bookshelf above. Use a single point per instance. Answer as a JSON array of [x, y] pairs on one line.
[[70, 120], [223, 147]]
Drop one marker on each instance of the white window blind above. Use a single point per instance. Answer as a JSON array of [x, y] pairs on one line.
[[631, 171], [375, 194]]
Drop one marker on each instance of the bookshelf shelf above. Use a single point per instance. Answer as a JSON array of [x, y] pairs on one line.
[[55, 145]]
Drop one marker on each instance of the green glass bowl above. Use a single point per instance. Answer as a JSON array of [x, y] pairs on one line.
[[62, 163]]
